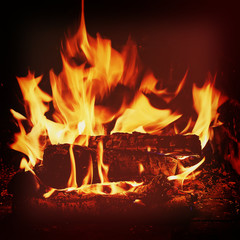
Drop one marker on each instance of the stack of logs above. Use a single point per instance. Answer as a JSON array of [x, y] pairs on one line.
[[122, 152], [213, 206]]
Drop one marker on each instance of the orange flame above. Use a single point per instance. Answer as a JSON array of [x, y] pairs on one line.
[[102, 168], [89, 176], [72, 182], [185, 172], [35, 104], [141, 168], [149, 83], [206, 102], [143, 114]]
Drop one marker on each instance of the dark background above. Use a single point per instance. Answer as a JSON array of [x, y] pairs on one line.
[[172, 36]]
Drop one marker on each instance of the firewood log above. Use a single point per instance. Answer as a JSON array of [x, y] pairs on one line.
[[123, 164], [226, 141], [142, 141], [56, 167], [229, 115], [123, 153]]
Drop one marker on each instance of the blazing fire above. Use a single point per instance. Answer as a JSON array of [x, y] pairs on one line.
[[77, 115]]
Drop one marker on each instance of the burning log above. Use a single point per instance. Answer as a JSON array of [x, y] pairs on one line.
[[188, 144], [123, 162], [230, 116], [226, 141], [56, 167], [155, 199]]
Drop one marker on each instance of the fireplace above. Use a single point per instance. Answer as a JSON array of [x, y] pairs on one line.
[[102, 139]]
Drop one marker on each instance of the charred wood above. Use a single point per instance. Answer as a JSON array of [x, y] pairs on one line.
[[226, 142], [123, 153], [229, 115], [123, 164], [188, 144]]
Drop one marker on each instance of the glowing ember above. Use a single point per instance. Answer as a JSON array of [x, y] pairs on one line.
[[77, 116], [141, 168]]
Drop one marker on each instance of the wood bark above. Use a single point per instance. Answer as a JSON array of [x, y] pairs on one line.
[[226, 141], [123, 165], [188, 144], [122, 152]]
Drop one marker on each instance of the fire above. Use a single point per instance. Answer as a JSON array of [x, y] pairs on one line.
[[185, 172], [143, 114], [206, 103], [102, 168], [72, 182], [78, 113], [35, 106], [149, 82], [141, 168]]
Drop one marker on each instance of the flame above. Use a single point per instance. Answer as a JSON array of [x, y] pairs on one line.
[[72, 182], [141, 168], [143, 114], [89, 176], [102, 168], [109, 187], [149, 83], [49, 193], [185, 172], [25, 165], [206, 102], [36, 106], [81, 127], [79, 112]]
